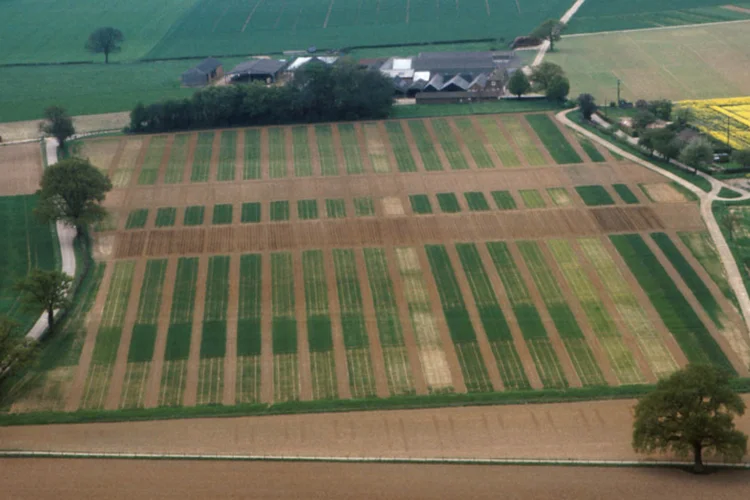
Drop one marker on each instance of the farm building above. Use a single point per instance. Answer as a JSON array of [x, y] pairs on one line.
[[301, 61], [203, 73], [266, 70], [398, 67]]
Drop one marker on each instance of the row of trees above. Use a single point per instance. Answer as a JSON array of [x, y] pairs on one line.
[[318, 92], [547, 78]]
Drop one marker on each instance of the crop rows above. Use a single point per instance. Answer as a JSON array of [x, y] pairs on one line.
[[227, 156], [284, 328], [301, 149], [166, 216], [350, 147], [554, 140], [625, 193], [249, 329], [326, 152], [194, 215], [420, 204], [523, 139], [425, 146], [473, 142], [202, 157], [137, 219], [222, 214], [335, 208], [401, 150], [590, 150], [214, 331], [152, 160], [177, 159], [376, 149], [123, 173], [276, 153], [702, 247], [279, 210], [448, 141], [559, 196], [594, 196], [532, 198], [502, 147], [504, 200]]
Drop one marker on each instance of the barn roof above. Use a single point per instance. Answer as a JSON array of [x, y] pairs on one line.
[[258, 67], [454, 62], [208, 65]]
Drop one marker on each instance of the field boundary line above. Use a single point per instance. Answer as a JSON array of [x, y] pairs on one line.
[[657, 28], [544, 47]]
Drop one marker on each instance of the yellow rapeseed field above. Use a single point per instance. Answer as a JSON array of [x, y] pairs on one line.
[[722, 118]]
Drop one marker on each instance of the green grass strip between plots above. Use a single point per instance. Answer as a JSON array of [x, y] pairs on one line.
[[554, 140], [425, 145], [202, 157], [251, 160], [401, 150]]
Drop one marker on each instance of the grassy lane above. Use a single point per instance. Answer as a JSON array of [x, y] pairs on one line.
[[276, 153], [350, 146], [437, 373], [594, 196], [152, 160], [457, 317], [108, 336], [301, 148], [319, 336], [554, 140], [702, 247], [202, 157], [376, 149], [425, 146], [624, 192], [530, 323], [657, 355], [567, 326], [495, 137], [623, 363], [251, 163], [284, 329], [689, 331], [214, 332], [326, 152], [353, 327], [493, 320], [397, 368], [523, 139], [142, 342], [177, 159], [559, 196], [179, 332], [227, 156], [404, 160], [166, 216], [449, 143], [248, 330], [473, 142]]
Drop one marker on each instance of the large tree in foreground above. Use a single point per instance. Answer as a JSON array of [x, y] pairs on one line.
[[72, 191], [692, 411], [58, 124], [105, 41], [699, 153], [15, 350], [519, 83], [45, 289], [549, 30]]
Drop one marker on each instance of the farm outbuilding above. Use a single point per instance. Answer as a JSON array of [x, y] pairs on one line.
[[266, 70], [203, 73]]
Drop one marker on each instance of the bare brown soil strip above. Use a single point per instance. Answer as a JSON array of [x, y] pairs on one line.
[[264, 154], [20, 169], [602, 360], [549, 325], [334, 310], [485, 142], [412, 352], [303, 348], [364, 153], [462, 145], [190, 395], [230, 357], [239, 157], [312, 144], [736, 8], [376, 350], [266, 340], [153, 384], [413, 149], [536, 140], [507, 137], [605, 298], [488, 357], [199, 479], [436, 144], [121, 361], [165, 159], [130, 244], [92, 328], [616, 219]]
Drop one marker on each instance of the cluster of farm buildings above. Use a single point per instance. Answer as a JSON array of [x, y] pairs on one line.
[[428, 76]]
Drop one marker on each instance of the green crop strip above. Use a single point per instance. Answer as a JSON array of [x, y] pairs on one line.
[[502, 148], [448, 141], [166, 216], [590, 150], [335, 208], [476, 201], [279, 210], [301, 148], [284, 328], [532, 198], [307, 209], [222, 214], [137, 219], [400, 147], [420, 204], [457, 318], [202, 157], [473, 143], [214, 337], [567, 326], [691, 278], [350, 146], [353, 328], [493, 320], [623, 363], [177, 159], [559, 196], [702, 247], [554, 140], [251, 212], [530, 323], [632, 314], [194, 215], [376, 149], [448, 203], [326, 151], [152, 160], [624, 192], [276, 153], [522, 137], [504, 200], [689, 331], [391, 335], [364, 206], [251, 160], [426, 148], [319, 336], [594, 196], [248, 329], [227, 156]]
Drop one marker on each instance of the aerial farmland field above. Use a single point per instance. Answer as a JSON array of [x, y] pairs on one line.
[[377, 260]]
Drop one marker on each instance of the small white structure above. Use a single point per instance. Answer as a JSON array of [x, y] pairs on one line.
[[301, 61], [398, 67]]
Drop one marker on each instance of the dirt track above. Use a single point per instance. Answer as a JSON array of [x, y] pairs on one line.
[[63, 479]]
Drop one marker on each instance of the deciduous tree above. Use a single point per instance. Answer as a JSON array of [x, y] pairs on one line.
[[519, 83], [45, 289], [558, 89], [742, 157], [692, 411], [58, 124], [697, 154], [105, 40], [587, 104], [549, 30], [543, 75], [642, 119], [15, 350]]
